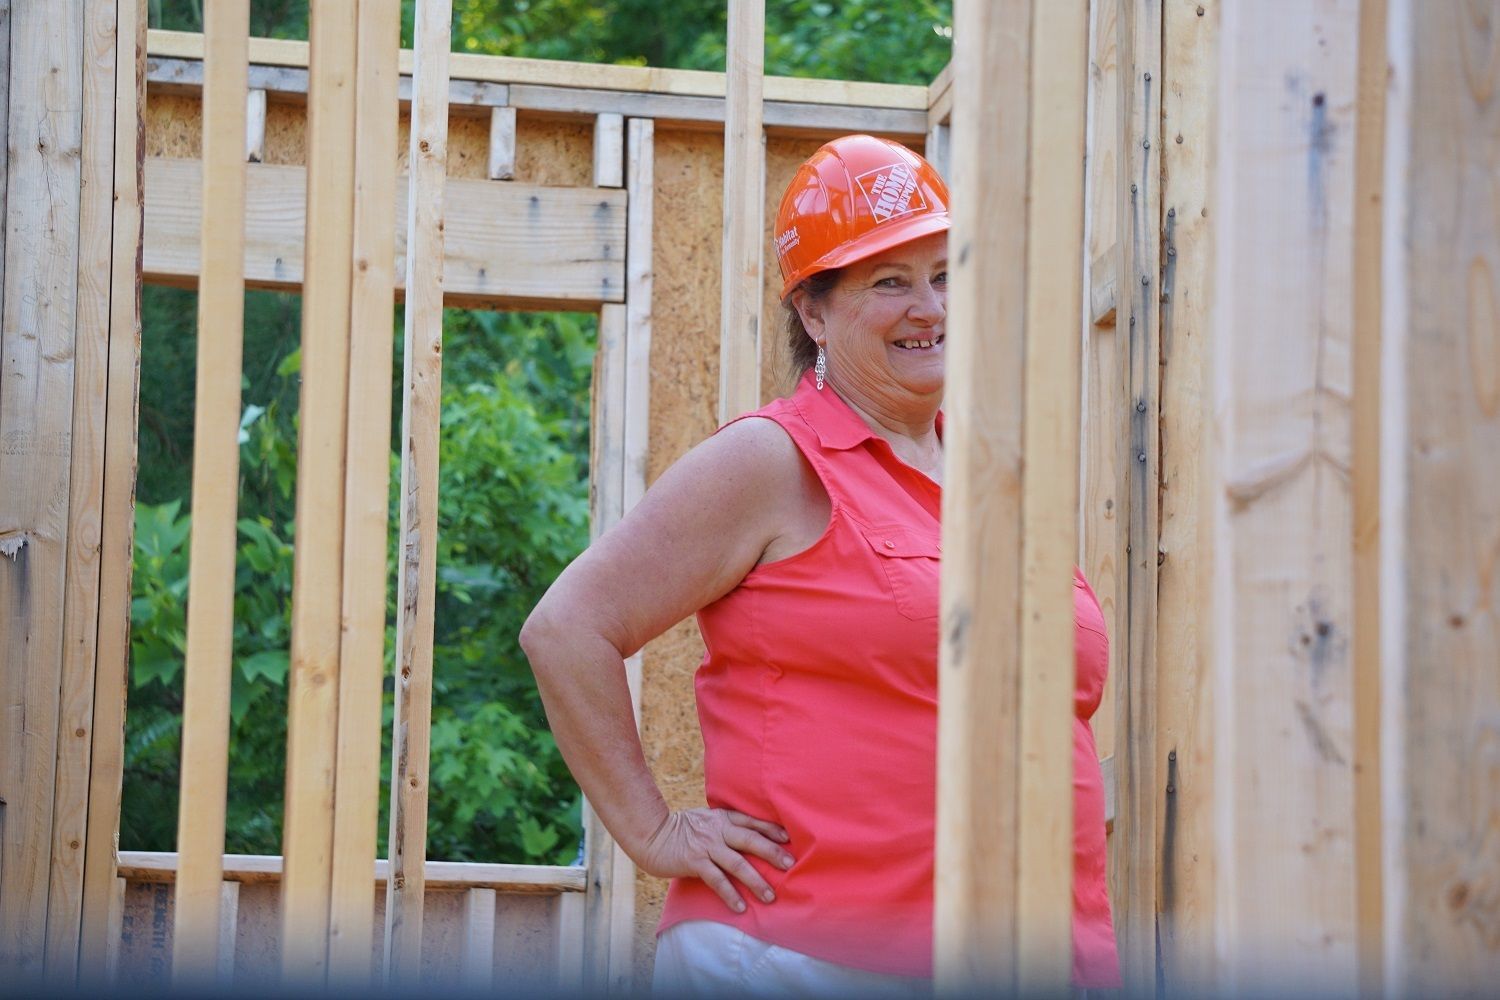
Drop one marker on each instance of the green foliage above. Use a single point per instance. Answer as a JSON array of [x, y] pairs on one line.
[[893, 41], [513, 511]]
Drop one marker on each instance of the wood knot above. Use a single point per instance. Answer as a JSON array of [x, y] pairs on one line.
[[424, 146]]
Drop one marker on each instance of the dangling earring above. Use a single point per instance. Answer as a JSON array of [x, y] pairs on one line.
[[820, 370]]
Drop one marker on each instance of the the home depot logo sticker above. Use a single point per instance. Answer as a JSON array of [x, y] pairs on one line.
[[891, 191]]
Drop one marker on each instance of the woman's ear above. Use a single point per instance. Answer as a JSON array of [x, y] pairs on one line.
[[811, 312]]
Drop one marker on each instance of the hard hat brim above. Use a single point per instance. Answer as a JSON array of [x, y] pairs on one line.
[[892, 234]]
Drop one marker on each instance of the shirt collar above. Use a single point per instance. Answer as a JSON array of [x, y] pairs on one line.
[[837, 425]]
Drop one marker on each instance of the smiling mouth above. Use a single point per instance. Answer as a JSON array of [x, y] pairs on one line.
[[913, 344]]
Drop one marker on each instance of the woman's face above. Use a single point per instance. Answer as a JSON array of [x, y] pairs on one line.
[[884, 323]]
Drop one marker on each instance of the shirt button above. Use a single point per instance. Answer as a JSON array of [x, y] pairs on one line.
[[890, 544]]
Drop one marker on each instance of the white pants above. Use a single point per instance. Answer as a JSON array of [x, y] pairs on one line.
[[707, 958]]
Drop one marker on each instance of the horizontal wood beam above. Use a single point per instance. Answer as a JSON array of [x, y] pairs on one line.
[[503, 241], [161, 866], [644, 79], [167, 75]]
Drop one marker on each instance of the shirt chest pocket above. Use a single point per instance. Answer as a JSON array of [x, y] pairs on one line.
[[910, 560]]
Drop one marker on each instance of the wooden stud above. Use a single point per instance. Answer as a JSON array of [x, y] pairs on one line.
[[1280, 501], [85, 497], [117, 526], [366, 498], [1365, 432], [216, 454], [640, 185], [255, 126], [600, 76], [36, 418], [421, 412], [1050, 443], [1004, 864], [317, 592], [974, 925], [1137, 358], [228, 931], [744, 201], [569, 935], [1184, 797], [609, 150], [563, 246], [477, 963], [502, 144], [938, 142], [1440, 476], [114, 918], [1104, 408]]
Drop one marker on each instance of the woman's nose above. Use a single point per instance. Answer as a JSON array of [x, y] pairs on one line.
[[930, 305]]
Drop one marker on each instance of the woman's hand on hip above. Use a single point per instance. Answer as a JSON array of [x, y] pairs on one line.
[[711, 844]]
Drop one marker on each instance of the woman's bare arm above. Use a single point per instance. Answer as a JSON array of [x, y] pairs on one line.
[[692, 538]]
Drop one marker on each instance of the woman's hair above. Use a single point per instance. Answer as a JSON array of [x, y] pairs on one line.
[[802, 349]]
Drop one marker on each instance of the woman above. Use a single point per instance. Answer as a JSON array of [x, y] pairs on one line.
[[806, 539]]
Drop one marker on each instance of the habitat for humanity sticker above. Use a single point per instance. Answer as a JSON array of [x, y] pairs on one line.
[[891, 191]]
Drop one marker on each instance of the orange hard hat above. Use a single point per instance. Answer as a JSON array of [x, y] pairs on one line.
[[853, 198]]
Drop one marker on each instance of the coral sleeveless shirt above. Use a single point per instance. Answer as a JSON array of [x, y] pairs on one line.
[[817, 698]]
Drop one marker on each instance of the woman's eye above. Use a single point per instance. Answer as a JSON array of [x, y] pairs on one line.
[[941, 279], [888, 283]]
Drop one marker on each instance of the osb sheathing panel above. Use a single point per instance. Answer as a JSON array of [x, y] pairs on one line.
[[549, 151], [688, 233]]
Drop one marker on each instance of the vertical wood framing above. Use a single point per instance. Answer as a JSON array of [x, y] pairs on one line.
[[477, 962], [255, 126], [228, 931], [366, 495], [1137, 322], [85, 496], [317, 593], [502, 165], [216, 454], [36, 417], [117, 525], [1365, 477], [1280, 499], [1049, 504], [609, 149], [421, 412], [744, 201], [974, 923], [1184, 849], [639, 186], [1104, 408], [1440, 476]]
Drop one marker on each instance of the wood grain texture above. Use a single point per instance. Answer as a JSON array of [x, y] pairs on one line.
[[421, 412], [216, 463], [561, 245], [85, 496], [317, 572], [744, 196], [502, 144], [366, 498], [1104, 408], [609, 150], [161, 866], [478, 961], [1369, 181], [1440, 550], [1058, 94], [1280, 500], [1137, 361], [551, 72], [101, 889], [255, 126], [1184, 802], [979, 778], [36, 418]]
